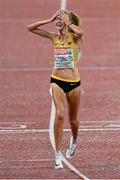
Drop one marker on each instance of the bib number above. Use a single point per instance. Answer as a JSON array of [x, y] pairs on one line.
[[64, 58]]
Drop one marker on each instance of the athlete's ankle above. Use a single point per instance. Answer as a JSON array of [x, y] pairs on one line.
[[74, 141], [58, 153]]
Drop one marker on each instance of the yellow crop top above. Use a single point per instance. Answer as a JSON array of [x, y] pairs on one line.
[[66, 53]]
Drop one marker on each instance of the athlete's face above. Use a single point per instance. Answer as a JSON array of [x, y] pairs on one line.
[[59, 23]]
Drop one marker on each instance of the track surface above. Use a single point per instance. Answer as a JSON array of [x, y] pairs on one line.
[[25, 102]]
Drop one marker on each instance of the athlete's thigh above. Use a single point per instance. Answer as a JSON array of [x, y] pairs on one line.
[[58, 96], [73, 99]]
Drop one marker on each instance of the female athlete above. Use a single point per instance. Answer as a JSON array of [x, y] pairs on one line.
[[65, 79]]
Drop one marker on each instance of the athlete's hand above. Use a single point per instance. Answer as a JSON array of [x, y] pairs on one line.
[[54, 16], [64, 16]]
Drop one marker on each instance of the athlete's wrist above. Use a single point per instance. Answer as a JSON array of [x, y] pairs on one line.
[[50, 20], [69, 23]]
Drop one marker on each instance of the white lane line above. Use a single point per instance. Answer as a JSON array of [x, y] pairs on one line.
[[17, 123], [23, 160], [101, 121], [25, 69], [63, 4], [13, 127], [6, 131], [52, 140], [105, 121], [114, 125], [51, 124], [49, 69]]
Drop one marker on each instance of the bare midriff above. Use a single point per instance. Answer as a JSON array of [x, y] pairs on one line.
[[67, 74]]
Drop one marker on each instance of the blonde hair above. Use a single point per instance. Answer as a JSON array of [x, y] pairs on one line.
[[74, 18]]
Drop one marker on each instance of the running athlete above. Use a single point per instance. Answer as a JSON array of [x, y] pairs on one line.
[[65, 79]]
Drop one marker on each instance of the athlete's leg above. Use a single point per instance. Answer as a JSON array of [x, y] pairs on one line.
[[73, 99], [58, 98]]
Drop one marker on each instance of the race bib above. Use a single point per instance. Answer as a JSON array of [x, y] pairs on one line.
[[64, 58]]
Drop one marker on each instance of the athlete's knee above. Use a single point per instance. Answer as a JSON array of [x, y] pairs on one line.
[[74, 123], [60, 114]]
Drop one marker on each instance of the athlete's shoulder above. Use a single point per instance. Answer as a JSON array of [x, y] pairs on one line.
[[55, 37]]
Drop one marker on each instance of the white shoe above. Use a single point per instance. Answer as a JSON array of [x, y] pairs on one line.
[[71, 151], [58, 161]]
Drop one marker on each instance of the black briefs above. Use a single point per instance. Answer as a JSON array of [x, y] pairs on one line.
[[66, 86]]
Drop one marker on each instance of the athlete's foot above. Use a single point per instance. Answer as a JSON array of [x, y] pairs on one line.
[[71, 150], [58, 161]]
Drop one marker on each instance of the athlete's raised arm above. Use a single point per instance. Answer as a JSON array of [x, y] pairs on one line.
[[36, 27]]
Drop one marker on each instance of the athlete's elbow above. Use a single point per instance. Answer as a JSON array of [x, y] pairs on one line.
[[80, 32], [30, 28]]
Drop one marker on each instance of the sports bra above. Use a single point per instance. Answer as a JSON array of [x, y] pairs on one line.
[[66, 52]]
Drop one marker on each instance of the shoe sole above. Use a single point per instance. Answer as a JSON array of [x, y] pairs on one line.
[[58, 166]]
